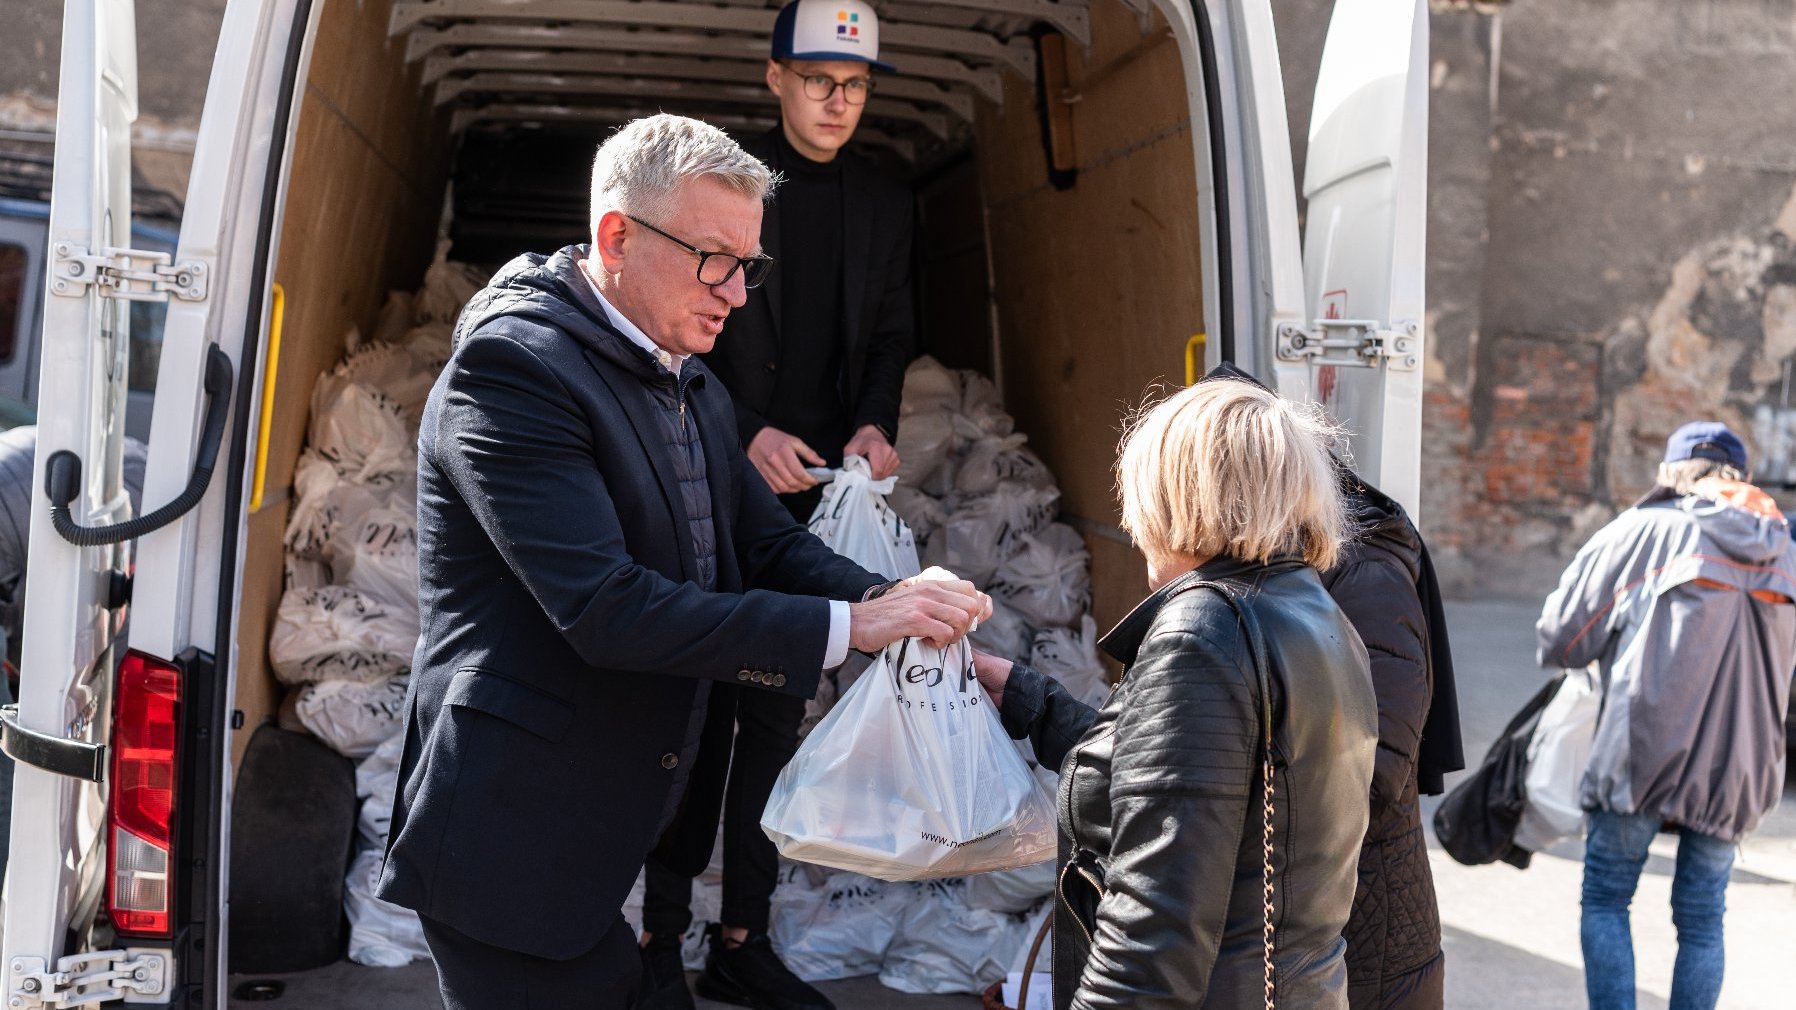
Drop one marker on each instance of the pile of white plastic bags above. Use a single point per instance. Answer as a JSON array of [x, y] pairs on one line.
[[347, 623]]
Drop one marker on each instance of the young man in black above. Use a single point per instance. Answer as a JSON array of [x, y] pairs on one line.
[[815, 363]]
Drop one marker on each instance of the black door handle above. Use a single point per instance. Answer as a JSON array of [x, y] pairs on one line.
[[62, 471]]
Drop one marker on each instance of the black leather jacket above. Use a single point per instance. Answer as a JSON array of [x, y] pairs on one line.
[[1159, 801]]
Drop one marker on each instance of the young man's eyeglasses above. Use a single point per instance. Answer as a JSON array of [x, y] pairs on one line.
[[818, 87], [716, 268]]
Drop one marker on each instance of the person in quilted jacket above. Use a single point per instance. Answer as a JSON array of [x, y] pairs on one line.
[[1394, 958]]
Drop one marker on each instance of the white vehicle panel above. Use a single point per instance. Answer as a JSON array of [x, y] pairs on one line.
[[53, 874], [1364, 248]]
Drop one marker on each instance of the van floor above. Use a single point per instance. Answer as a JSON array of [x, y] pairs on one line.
[[350, 986]]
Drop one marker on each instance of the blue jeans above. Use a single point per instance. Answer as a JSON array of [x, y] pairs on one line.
[[1615, 851]]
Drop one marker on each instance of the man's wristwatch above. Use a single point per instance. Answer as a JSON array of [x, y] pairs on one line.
[[880, 590]]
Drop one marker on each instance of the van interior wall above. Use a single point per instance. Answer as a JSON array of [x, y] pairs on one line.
[[363, 199], [1098, 286]]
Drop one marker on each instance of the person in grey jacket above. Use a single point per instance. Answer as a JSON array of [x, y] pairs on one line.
[[1684, 603], [1188, 876]]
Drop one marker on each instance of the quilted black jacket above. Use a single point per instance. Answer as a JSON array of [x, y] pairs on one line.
[[1159, 802], [1394, 934]]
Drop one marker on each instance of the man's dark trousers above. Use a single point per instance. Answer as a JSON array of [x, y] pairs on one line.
[[476, 976], [765, 738]]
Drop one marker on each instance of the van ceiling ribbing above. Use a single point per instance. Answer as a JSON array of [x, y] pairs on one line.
[[606, 61]]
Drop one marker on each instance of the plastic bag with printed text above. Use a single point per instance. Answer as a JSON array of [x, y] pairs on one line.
[[911, 777], [854, 520]]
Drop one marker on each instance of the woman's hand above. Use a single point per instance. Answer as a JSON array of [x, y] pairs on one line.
[[993, 674]]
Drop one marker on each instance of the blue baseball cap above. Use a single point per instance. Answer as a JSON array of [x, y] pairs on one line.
[[1706, 440], [828, 30]]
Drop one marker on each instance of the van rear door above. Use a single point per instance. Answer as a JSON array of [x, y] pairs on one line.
[[1361, 351], [163, 816], [57, 735]]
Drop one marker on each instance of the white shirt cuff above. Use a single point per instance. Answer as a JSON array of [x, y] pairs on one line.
[[836, 652]]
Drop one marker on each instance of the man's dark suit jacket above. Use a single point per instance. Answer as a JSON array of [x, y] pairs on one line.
[[878, 216], [565, 647]]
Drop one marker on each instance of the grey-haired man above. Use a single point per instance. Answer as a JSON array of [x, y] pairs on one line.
[[595, 553]]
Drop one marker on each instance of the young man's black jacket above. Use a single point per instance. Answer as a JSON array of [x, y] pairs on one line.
[[877, 221]]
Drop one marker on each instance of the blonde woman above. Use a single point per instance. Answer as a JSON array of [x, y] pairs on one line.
[[1170, 829]]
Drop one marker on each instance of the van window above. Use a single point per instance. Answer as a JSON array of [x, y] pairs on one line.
[[146, 345], [12, 298]]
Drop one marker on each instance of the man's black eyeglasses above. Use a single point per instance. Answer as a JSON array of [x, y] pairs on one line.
[[818, 87], [716, 268]]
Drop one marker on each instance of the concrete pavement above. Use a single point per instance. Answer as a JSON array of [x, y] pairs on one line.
[[1511, 935]]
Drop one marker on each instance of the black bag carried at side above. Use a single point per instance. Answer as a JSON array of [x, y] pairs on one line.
[[1476, 822]]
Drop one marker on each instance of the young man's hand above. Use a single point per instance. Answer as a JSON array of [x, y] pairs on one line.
[[781, 459], [870, 442]]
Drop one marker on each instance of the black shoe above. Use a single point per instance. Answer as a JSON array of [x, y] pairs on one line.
[[663, 976], [752, 975]]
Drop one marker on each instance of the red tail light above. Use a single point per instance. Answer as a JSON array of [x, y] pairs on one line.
[[145, 729]]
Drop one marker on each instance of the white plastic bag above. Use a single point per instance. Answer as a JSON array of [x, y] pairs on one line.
[[336, 633], [923, 514], [978, 394], [929, 387], [376, 783], [1004, 634], [1071, 657], [1047, 581], [1558, 753], [983, 531], [1011, 891], [1041, 972], [839, 929], [944, 945], [447, 287], [377, 554], [395, 372], [911, 776], [380, 934], [854, 520], [353, 717], [990, 460], [394, 319], [925, 443], [360, 430]]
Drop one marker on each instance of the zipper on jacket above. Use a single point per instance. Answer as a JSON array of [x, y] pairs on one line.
[[682, 415], [1060, 889]]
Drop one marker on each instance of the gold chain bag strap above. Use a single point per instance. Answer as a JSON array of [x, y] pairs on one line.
[[1262, 673]]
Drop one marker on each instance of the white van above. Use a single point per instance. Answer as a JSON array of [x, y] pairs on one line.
[[1125, 179]]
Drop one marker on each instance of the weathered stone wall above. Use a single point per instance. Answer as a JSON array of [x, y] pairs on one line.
[[1605, 256]]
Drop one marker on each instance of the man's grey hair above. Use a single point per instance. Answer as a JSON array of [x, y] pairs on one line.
[[1681, 476], [640, 168]]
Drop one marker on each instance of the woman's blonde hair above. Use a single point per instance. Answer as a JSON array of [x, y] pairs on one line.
[[1226, 467]]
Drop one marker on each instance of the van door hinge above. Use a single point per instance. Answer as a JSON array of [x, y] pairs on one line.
[[131, 274], [135, 975], [1353, 343]]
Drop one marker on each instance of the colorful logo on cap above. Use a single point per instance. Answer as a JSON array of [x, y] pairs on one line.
[[848, 25]]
